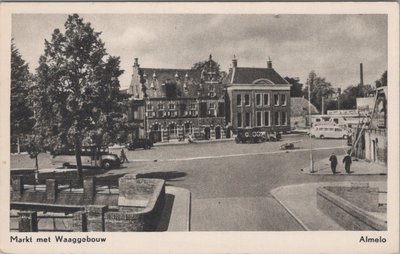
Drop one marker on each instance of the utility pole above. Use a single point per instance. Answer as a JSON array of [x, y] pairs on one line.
[[309, 117]]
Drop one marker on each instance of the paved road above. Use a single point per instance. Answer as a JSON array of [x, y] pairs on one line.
[[230, 183]]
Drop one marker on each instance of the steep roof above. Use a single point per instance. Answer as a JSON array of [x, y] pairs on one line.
[[246, 75], [299, 107]]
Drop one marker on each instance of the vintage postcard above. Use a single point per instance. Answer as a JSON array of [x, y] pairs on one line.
[[199, 127]]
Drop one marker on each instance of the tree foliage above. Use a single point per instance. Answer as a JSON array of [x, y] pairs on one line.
[[21, 115], [76, 96], [319, 88], [382, 81], [296, 90], [348, 99]]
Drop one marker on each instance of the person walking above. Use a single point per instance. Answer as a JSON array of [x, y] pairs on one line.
[[333, 160], [347, 163], [123, 156]]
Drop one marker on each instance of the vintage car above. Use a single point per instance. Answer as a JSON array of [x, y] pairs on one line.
[[256, 135], [91, 156], [139, 143]]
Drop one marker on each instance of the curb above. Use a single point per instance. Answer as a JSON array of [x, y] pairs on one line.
[[181, 209], [194, 142], [288, 210]]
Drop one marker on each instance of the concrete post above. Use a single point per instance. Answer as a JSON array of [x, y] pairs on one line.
[[95, 218], [79, 223], [51, 190], [89, 189], [27, 221], [17, 187]]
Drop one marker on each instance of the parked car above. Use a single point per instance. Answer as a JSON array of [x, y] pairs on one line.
[[91, 156], [329, 131], [255, 135], [139, 143]]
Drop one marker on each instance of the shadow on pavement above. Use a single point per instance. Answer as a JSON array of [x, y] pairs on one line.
[[165, 175]]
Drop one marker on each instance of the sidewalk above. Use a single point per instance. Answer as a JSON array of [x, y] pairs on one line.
[[358, 167], [301, 202]]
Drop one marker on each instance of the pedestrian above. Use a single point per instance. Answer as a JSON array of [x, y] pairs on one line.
[[333, 160], [347, 162], [123, 156]]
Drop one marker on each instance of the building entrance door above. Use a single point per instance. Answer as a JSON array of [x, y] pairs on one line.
[[207, 133], [217, 132], [155, 133]]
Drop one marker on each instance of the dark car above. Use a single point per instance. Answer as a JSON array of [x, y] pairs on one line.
[[139, 143]]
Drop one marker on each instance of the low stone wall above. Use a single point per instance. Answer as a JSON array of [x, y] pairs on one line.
[[136, 206], [348, 214]]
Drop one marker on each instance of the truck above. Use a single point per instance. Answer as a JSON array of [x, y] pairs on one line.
[[256, 135]]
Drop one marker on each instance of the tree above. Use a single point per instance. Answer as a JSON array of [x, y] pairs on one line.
[[382, 81], [76, 96], [319, 88], [21, 115], [209, 66], [348, 99], [296, 90]]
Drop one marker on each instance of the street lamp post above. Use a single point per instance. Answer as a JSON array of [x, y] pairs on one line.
[[310, 138]]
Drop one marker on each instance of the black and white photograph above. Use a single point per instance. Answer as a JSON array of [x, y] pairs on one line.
[[199, 122]]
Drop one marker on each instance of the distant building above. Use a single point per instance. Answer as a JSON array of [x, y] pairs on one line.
[[299, 112], [257, 97], [170, 104]]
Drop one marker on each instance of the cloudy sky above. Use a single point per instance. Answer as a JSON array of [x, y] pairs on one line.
[[332, 45]]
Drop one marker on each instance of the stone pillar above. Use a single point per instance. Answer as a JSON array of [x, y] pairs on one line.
[[95, 218], [165, 135], [162, 134], [223, 134], [27, 221], [17, 187], [51, 190], [180, 132], [89, 189], [79, 223], [212, 133]]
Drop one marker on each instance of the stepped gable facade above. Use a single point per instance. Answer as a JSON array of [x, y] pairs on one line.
[[170, 104]]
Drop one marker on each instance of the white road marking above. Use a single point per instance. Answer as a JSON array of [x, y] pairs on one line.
[[237, 155]]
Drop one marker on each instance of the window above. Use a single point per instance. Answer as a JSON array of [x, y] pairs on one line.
[[258, 99], [247, 99], [266, 118], [239, 119], [247, 119], [266, 99], [283, 99], [192, 105], [171, 106], [150, 114], [212, 91], [212, 106], [160, 113], [239, 100], [337, 129], [160, 106], [277, 118], [276, 99], [284, 118], [258, 118], [149, 106], [193, 112]]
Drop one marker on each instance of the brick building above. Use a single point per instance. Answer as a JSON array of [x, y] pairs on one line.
[[257, 97], [170, 104]]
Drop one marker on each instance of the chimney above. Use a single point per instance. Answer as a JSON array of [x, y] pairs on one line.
[[361, 74], [136, 62], [269, 63], [234, 62]]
